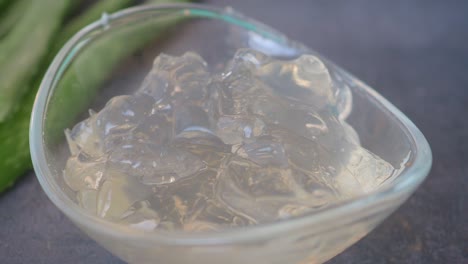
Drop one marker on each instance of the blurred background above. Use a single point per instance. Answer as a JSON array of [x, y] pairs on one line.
[[414, 53]]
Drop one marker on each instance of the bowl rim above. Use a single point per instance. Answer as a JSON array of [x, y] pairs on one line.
[[400, 187]]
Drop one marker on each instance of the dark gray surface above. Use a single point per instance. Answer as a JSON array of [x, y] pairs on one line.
[[415, 53]]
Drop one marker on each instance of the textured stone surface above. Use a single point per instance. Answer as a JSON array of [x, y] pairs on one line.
[[415, 53]]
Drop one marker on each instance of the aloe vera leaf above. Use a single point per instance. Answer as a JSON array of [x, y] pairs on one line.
[[23, 48]]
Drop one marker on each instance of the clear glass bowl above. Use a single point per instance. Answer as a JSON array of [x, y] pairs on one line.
[[112, 55]]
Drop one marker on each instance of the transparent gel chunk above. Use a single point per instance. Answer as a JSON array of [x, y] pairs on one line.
[[84, 137], [185, 78], [87, 199], [304, 79], [260, 140], [369, 170], [202, 143], [264, 151], [141, 216], [234, 130], [117, 194], [191, 118], [191, 205], [83, 172], [172, 165], [153, 164], [122, 114], [254, 191]]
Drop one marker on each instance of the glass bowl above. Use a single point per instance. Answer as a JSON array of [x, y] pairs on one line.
[[112, 55]]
